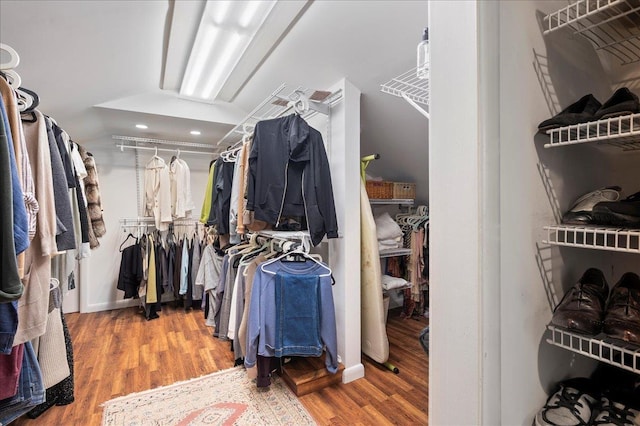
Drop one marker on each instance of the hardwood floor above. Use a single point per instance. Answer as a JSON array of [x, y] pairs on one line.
[[119, 352]]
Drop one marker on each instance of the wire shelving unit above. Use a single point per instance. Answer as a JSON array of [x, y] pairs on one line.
[[612, 26]]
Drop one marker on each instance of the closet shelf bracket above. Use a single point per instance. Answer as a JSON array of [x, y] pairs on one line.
[[409, 87]]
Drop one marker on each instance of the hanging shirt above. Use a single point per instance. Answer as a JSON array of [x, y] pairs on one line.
[[184, 268], [157, 193], [180, 178], [262, 328], [152, 292], [208, 193], [234, 238]]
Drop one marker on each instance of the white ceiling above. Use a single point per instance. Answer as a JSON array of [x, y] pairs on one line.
[[99, 66]]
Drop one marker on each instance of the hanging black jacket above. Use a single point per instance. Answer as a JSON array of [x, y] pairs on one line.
[[289, 176]]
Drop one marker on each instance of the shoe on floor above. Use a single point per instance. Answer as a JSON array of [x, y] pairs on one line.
[[580, 212], [622, 409], [622, 102], [622, 317], [582, 307], [625, 213], [578, 112], [572, 404]]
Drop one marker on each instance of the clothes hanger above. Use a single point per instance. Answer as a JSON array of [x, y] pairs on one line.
[[125, 240], [14, 58], [298, 250]]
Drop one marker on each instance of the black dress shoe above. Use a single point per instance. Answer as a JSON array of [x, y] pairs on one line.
[[622, 317], [622, 102], [625, 213], [582, 307], [578, 112]]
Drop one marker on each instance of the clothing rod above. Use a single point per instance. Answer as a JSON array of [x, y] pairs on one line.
[[148, 148], [162, 142], [151, 220]]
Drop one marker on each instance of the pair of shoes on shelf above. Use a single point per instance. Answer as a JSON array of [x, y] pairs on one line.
[[584, 308], [579, 401], [604, 207], [581, 211], [588, 108]]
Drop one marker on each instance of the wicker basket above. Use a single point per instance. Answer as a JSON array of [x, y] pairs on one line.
[[404, 190], [379, 189]]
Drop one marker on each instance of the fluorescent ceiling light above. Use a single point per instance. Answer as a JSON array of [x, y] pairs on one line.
[[226, 30], [142, 126], [195, 132]]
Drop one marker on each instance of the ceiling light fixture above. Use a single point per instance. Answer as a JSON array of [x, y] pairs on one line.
[[226, 30], [195, 132], [142, 126]]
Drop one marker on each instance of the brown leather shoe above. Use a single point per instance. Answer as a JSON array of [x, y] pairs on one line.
[[622, 318], [582, 307]]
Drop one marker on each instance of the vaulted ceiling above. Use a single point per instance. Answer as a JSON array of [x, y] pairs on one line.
[[100, 67]]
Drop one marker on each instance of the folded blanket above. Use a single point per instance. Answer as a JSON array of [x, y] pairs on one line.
[[387, 228], [390, 244], [389, 283]]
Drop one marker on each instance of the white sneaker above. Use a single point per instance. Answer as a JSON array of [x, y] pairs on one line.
[[580, 212], [613, 413], [569, 406]]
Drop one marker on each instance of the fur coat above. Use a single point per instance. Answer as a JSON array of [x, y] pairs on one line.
[[92, 192]]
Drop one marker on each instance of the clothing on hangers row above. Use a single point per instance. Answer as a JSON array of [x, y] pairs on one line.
[[154, 265], [253, 291], [279, 180], [51, 189]]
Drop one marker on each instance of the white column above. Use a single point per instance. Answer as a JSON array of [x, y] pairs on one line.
[[464, 217], [344, 253]]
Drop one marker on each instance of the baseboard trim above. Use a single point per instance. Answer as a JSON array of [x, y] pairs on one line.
[[107, 306], [352, 373]]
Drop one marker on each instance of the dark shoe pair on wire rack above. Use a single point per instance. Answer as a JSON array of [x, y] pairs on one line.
[[588, 108], [589, 309]]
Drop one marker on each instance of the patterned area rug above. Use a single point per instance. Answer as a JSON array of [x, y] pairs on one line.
[[227, 397]]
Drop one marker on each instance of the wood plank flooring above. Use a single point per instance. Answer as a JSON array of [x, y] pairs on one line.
[[119, 352]]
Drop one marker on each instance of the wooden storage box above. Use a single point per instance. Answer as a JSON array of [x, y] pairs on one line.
[[404, 190], [378, 189], [307, 375]]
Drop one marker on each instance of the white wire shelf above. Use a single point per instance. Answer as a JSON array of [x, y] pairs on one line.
[[277, 104], [601, 348], [594, 237], [395, 252], [622, 132], [411, 88], [398, 201], [612, 26]]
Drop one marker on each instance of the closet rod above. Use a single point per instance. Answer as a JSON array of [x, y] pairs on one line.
[[148, 148], [163, 142]]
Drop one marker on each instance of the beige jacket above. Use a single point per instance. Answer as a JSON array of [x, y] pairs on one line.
[[157, 193]]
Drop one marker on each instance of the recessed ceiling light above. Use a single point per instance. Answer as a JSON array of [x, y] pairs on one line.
[[195, 132], [142, 126]]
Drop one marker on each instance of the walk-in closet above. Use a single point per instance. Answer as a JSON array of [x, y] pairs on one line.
[[208, 158], [320, 212]]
